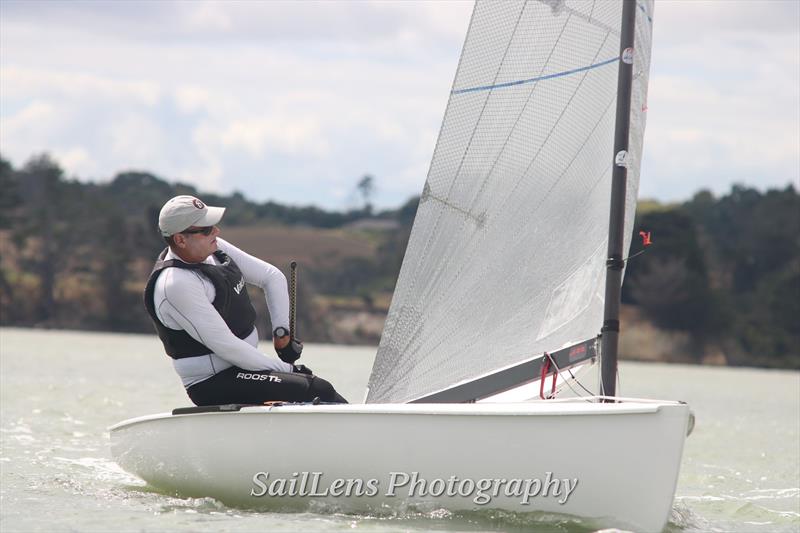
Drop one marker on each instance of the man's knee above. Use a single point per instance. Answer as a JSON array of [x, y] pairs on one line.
[[324, 390]]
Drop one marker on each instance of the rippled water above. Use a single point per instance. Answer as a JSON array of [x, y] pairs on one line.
[[59, 391]]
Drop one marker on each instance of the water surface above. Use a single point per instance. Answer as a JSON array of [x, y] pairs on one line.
[[59, 392]]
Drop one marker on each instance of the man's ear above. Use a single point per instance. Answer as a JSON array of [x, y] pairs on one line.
[[179, 239]]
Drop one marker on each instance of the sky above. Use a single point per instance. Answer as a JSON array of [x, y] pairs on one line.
[[296, 101]]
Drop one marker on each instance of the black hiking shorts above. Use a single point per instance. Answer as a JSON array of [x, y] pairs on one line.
[[235, 385]]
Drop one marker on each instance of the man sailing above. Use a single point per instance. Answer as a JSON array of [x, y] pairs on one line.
[[197, 299]]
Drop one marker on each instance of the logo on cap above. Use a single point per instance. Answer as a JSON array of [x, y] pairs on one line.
[[198, 204]]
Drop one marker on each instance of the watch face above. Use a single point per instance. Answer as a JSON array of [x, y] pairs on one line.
[[280, 332]]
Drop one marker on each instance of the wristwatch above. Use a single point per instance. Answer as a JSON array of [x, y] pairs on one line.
[[280, 331]]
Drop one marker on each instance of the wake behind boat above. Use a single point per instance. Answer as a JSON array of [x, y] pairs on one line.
[[510, 283]]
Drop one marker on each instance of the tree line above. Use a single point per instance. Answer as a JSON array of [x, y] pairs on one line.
[[726, 270], [77, 255]]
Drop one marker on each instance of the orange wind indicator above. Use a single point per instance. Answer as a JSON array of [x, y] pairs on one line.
[[645, 238]]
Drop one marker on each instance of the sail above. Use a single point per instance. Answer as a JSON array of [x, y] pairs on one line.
[[506, 258]]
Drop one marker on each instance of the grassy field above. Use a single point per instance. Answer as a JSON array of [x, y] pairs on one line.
[[313, 247]]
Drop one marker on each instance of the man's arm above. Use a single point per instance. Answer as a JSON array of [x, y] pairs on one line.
[[271, 280], [185, 302]]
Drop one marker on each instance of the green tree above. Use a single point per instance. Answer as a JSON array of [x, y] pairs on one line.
[[366, 188], [9, 194], [670, 281]]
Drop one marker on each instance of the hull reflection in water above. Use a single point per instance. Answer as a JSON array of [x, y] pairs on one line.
[[617, 463]]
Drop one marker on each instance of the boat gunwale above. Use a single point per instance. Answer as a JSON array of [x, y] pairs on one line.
[[556, 407]]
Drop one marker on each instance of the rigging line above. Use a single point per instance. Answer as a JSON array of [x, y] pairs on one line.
[[472, 136], [567, 380], [579, 383], [533, 80]]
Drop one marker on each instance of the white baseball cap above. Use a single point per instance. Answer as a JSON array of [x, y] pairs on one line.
[[185, 211]]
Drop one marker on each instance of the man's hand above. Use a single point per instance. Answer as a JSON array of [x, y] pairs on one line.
[[288, 349]]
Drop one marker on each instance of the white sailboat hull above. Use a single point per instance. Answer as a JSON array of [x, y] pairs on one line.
[[614, 462]]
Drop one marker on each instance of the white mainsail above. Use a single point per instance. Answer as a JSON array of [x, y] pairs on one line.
[[506, 258]]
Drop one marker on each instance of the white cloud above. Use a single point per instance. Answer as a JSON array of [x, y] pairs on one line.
[[190, 99], [224, 21], [35, 128], [290, 135], [687, 20], [136, 141], [24, 121], [77, 159], [723, 101], [301, 99], [22, 82], [207, 16]]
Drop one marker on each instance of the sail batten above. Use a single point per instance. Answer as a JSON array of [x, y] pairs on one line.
[[505, 256]]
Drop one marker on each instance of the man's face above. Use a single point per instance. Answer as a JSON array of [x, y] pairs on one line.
[[197, 243]]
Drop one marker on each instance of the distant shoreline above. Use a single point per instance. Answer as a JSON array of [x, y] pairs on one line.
[[653, 353]]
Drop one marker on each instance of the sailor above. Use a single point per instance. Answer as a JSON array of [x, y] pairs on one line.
[[197, 299]]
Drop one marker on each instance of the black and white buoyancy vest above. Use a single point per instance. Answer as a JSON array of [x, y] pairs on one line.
[[231, 302]]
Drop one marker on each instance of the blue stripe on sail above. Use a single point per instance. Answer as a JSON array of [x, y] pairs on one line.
[[531, 80]]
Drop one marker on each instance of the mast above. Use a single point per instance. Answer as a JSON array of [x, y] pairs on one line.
[[616, 225]]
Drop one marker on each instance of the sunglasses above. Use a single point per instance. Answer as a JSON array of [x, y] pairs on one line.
[[205, 231]]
